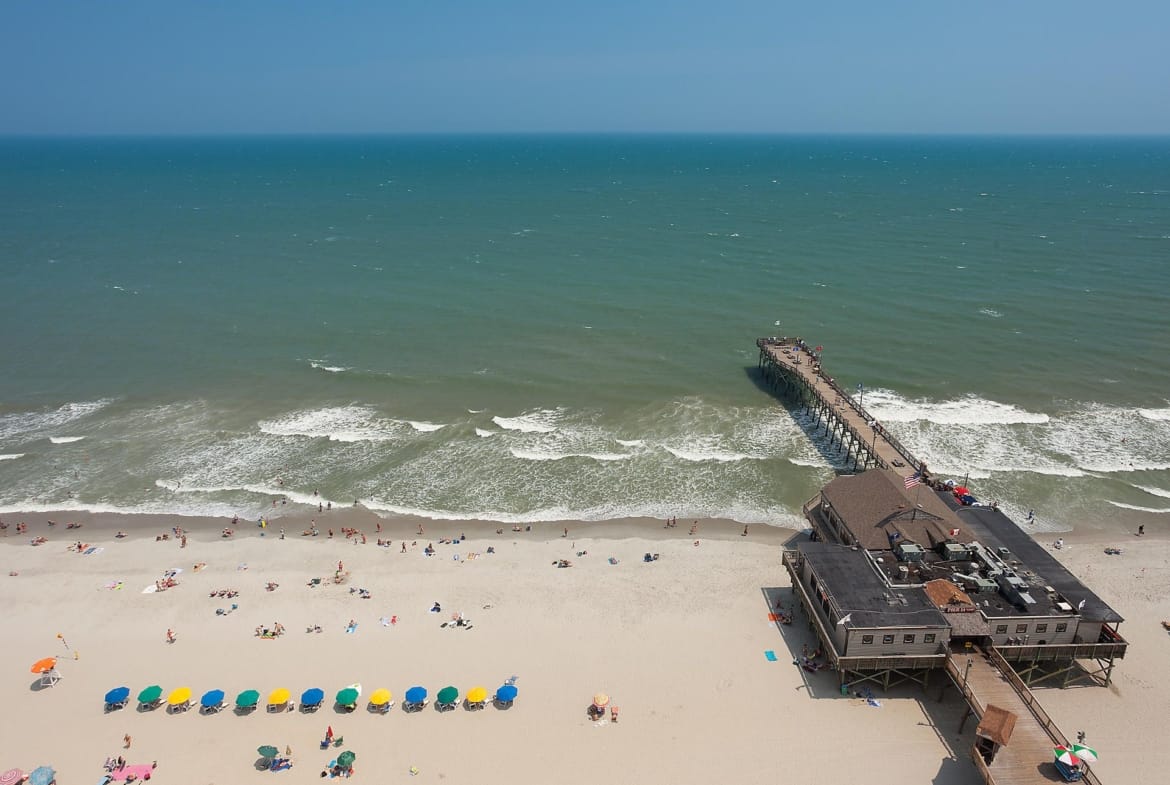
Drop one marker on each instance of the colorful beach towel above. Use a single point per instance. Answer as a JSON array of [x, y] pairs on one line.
[[139, 770], [770, 655]]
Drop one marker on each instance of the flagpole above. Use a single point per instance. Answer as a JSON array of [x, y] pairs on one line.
[[917, 490]]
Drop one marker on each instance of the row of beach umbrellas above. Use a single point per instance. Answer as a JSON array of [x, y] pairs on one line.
[[42, 775], [314, 697]]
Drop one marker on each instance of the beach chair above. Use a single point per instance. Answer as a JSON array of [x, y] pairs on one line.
[[411, 706]]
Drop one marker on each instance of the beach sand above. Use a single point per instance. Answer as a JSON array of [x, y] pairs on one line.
[[679, 644]]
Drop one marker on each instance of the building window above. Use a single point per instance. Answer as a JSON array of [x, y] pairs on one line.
[[887, 639], [1001, 629], [1021, 629], [907, 638], [1041, 628], [1061, 627], [866, 639], [928, 637]]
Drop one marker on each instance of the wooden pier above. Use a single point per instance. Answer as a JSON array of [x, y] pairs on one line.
[[793, 367]]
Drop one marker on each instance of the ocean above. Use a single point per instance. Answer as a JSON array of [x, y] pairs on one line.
[[538, 328]]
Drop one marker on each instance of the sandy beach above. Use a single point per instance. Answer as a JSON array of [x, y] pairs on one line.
[[678, 643]]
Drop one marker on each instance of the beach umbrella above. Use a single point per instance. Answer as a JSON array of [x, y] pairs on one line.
[[448, 694], [600, 700], [380, 697], [347, 696], [267, 751], [278, 696], [150, 694], [1066, 756], [416, 695], [961, 490], [313, 696], [11, 777], [116, 695], [45, 665], [248, 698], [477, 694], [345, 759], [42, 775], [179, 696], [1087, 754], [507, 692], [211, 698]]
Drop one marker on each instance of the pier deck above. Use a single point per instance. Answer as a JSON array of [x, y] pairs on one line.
[[796, 366]]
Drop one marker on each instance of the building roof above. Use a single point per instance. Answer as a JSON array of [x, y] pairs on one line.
[[997, 724], [846, 577], [995, 530], [948, 597], [878, 511]]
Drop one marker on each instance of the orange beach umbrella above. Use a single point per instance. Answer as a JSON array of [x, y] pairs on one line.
[[45, 665]]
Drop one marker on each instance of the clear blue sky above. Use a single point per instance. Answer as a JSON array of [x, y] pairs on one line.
[[286, 66]]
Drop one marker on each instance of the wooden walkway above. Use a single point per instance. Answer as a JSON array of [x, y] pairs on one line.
[[799, 365], [1027, 757]]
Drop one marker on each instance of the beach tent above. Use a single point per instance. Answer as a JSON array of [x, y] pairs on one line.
[[116, 699], [211, 701], [47, 668]]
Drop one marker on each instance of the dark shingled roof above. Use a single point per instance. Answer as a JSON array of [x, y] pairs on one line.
[[997, 724], [875, 504], [847, 577]]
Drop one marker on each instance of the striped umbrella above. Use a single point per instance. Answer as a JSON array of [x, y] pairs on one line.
[[1066, 756], [1087, 754], [11, 777]]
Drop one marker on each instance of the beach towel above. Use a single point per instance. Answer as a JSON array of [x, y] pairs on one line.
[[139, 770], [93, 550], [350, 628], [873, 702], [612, 560], [770, 655]]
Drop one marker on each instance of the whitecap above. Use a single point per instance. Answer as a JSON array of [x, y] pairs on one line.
[[1164, 493], [1125, 506], [991, 312], [531, 422], [11, 456], [20, 423], [1162, 415], [887, 407], [335, 423], [539, 455], [65, 439], [631, 442], [696, 456], [330, 368], [425, 427], [485, 433]]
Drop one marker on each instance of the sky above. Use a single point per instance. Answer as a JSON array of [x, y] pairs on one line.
[[85, 67]]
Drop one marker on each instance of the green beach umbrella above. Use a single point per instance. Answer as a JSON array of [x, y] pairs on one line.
[[267, 751], [347, 697], [150, 694], [447, 695], [345, 759], [247, 698], [1085, 753]]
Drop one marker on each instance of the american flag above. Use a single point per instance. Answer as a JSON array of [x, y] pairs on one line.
[[913, 479]]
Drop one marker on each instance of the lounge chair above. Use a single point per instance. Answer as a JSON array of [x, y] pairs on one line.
[[383, 708], [409, 706], [441, 707]]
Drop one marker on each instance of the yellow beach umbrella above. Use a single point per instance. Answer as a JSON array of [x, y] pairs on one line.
[[278, 697], [179, 696], [601, 700], [477, 695], [380, 697]]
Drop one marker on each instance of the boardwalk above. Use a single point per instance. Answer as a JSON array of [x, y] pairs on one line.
[[799, 366], [1027, 758]]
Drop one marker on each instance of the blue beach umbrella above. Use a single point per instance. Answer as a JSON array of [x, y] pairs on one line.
[[507, 692], [211, 698], [416, 695], [312, 696], [43, 775], [117, 695]]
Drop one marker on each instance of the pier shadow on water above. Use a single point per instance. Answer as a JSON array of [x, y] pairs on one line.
[[828, 448]]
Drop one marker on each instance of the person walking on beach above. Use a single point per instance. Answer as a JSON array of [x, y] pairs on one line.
[[1141, 530], [170, 639], [694, 528], [744, 532], [126, 741]]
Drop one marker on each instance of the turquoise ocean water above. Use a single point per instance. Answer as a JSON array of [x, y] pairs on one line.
[[538, 328]]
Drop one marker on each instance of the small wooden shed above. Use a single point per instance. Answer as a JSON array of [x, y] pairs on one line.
[[994, 731]]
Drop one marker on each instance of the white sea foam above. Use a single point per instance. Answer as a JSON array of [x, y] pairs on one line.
[[1163, 492], [539, 455], [540, 421], [889, 407], [425, 427], [11, 456], [476, 411], [700, 455], [483, 433], [631, 442], [1124, 506], [338, 423], [1161, 415], [994, 314], [65, 439], [330, 368], [32, 423]]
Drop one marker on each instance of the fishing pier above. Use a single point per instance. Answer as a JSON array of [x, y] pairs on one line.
[[793, 368], [904, 576]]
